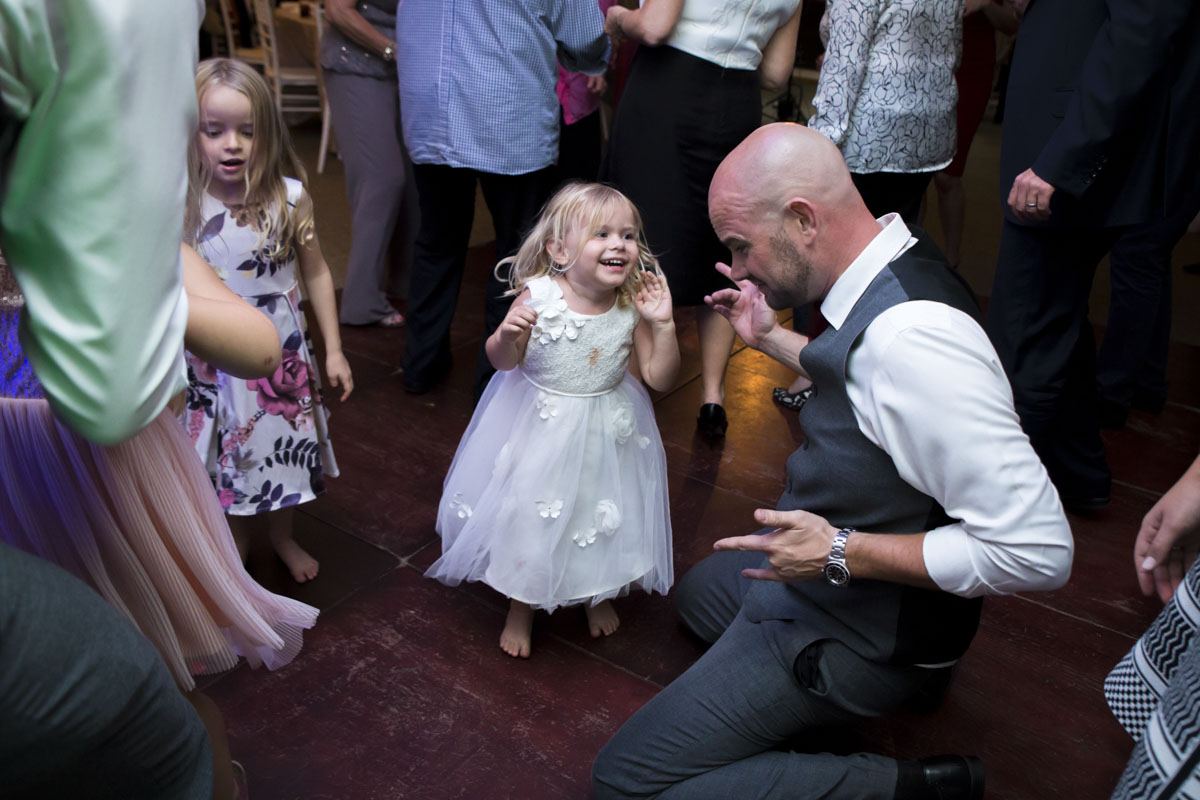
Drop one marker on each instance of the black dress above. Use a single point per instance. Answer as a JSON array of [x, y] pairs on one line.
[[679, 116]]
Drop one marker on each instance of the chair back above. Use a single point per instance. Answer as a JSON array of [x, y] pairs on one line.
[[251, 55], [264, 23], [227, 21]]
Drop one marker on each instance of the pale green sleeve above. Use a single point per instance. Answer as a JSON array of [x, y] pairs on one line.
[[98, 108]]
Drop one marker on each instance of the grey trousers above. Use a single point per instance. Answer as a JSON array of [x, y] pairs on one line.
[[384, 211], [87, 707], [720, 730]]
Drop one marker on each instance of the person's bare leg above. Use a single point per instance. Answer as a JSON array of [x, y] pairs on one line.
[[799, 385], [952, 211], [602, 619], [224, 787], [279, 526], [516, 638], [716, 340]]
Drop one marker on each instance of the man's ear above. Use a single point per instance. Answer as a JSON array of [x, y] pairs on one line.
[[802, 215], [558, 253]]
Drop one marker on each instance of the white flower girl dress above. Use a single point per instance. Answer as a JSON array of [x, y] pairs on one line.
[[558, 491]]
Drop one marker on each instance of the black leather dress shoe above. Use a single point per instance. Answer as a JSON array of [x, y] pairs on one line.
[[1085, 504], [712, 421], [941, 778]]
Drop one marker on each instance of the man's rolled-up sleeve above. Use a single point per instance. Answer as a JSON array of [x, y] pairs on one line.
[[578, 29], [939, 404]]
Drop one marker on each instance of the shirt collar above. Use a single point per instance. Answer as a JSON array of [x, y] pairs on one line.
[[893, 239]]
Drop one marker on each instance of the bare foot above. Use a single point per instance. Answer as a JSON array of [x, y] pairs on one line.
[[602, 619], [516, 637], [302, 566]]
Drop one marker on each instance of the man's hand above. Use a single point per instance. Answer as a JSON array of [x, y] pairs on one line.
[[746, 309], [1030, 197], [1167, 541], [797, 548]]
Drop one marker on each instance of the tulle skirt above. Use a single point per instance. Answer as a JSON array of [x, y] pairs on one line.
[[141, 524], [557, 499]]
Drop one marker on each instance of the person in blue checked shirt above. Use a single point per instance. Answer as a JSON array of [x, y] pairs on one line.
[[478, 107]]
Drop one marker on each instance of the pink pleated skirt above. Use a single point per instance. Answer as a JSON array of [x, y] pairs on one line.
[[141, 524]]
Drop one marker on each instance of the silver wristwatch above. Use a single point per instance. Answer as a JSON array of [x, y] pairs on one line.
[[836, 571]]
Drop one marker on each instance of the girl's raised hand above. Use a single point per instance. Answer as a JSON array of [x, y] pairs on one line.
[[337, 368], [520, 318], [653, 300]]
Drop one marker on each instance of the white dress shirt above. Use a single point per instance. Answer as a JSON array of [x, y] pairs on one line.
[[97, 106], [927, 388]]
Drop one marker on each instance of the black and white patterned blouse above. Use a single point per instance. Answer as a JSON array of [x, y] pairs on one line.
[[886, 96], [1154, 692]]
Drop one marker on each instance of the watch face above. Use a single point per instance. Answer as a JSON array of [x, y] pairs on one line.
[[837, 574]]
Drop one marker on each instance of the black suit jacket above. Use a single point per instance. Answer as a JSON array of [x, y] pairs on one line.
[[1103, 103]]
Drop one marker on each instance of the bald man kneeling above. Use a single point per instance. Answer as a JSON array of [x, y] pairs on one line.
[[914, 494]]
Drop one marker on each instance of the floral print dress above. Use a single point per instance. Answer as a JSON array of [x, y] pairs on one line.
[[265, 441], [558, 491]]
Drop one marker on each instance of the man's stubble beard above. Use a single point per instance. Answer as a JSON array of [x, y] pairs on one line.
[[796, 274]]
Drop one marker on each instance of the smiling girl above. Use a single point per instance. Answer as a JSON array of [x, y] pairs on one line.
[[265, 441], [558, 492]]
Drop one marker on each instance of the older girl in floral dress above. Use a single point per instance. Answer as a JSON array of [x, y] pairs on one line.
[[265, 441]]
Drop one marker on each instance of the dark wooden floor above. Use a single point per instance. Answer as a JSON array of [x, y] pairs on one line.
[[401, 690]]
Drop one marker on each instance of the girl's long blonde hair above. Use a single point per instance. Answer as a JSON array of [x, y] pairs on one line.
[[271, 158], [577, 205]]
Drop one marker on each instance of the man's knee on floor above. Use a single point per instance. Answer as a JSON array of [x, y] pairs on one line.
[[613, 775]]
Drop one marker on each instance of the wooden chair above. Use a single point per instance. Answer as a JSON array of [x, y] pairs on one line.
[[297, 89], [251, 55]]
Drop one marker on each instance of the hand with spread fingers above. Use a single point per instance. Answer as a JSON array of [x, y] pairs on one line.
[[797, 548], [1029, 198], [653, 299], [1169, 538], [746, 309]]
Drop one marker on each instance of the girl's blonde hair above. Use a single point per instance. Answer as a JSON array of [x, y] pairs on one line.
[[271, 157], [577, 205]]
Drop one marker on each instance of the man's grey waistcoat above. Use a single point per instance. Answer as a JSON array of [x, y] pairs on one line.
[[840, 475]]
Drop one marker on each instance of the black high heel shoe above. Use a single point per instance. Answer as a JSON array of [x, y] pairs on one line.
[[712, 420]]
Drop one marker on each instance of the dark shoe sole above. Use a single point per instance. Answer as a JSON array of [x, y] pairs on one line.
[[712, 420]]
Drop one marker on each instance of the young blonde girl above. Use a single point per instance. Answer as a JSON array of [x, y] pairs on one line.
[[558, 492], [248, 214]]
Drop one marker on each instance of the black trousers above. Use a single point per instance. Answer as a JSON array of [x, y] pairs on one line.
[[1037, 320], [1131, 366], [885, 192], [579, 148], [447, 196]]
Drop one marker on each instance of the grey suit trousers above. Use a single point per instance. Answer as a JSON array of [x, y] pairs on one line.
[[385, 214], [87, 707], [721, 729]]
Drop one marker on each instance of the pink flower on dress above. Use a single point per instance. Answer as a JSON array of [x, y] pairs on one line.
[[282, 394], [195, 423], [205, 372], [226, 497]]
